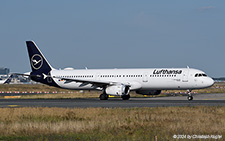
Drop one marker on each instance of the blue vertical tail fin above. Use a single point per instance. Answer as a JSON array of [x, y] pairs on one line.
[[38, 62], [41, 69]]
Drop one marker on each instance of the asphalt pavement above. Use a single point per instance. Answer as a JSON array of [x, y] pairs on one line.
[[199, 100]]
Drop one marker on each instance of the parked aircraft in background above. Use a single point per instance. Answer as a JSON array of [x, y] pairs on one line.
[[6, 80], [117, 82]]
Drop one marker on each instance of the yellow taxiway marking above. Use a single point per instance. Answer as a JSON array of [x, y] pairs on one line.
[[13, 105], [8, 97]]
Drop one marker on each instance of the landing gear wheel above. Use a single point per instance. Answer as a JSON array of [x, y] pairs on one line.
[[103, 97], [126, 97], [190, 98]]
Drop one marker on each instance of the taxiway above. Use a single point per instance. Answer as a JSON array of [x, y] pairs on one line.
[[199, 100]]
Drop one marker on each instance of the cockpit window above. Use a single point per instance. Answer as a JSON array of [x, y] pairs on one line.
[[200, 75]]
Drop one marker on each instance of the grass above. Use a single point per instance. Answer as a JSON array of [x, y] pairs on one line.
[[40, 87], [30, 87], [110, 123]]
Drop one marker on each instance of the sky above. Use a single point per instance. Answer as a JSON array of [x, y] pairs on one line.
[[115, 34]]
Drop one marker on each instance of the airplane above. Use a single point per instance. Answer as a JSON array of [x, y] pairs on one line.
[[116, 82], [6, 81]]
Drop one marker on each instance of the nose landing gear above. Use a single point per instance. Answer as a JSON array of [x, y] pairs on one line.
[[190, 97]]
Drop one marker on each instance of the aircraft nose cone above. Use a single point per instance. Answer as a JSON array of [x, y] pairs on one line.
[[210, 82]]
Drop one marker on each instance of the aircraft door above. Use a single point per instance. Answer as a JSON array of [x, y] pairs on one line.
[[49, 79], [145, 77], [185, 75], [98, 75]]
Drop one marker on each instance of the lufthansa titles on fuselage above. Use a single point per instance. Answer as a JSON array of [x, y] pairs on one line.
[[165, 71]]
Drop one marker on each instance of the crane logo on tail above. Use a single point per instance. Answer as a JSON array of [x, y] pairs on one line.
[[36, 61]]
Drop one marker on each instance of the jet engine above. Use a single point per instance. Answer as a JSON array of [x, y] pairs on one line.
[[117, 90], [148, 92]]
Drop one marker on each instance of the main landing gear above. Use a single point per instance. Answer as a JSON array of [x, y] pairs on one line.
[[125, 97], [104, 96], [190, 97]]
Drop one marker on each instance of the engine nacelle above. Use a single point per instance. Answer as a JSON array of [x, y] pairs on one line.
[[117, 90], [148, 92]]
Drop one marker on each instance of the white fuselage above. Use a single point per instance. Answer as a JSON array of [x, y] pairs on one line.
[[138, 79]]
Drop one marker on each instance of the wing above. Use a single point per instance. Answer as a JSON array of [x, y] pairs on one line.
[[26, 74], [98, 83]]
